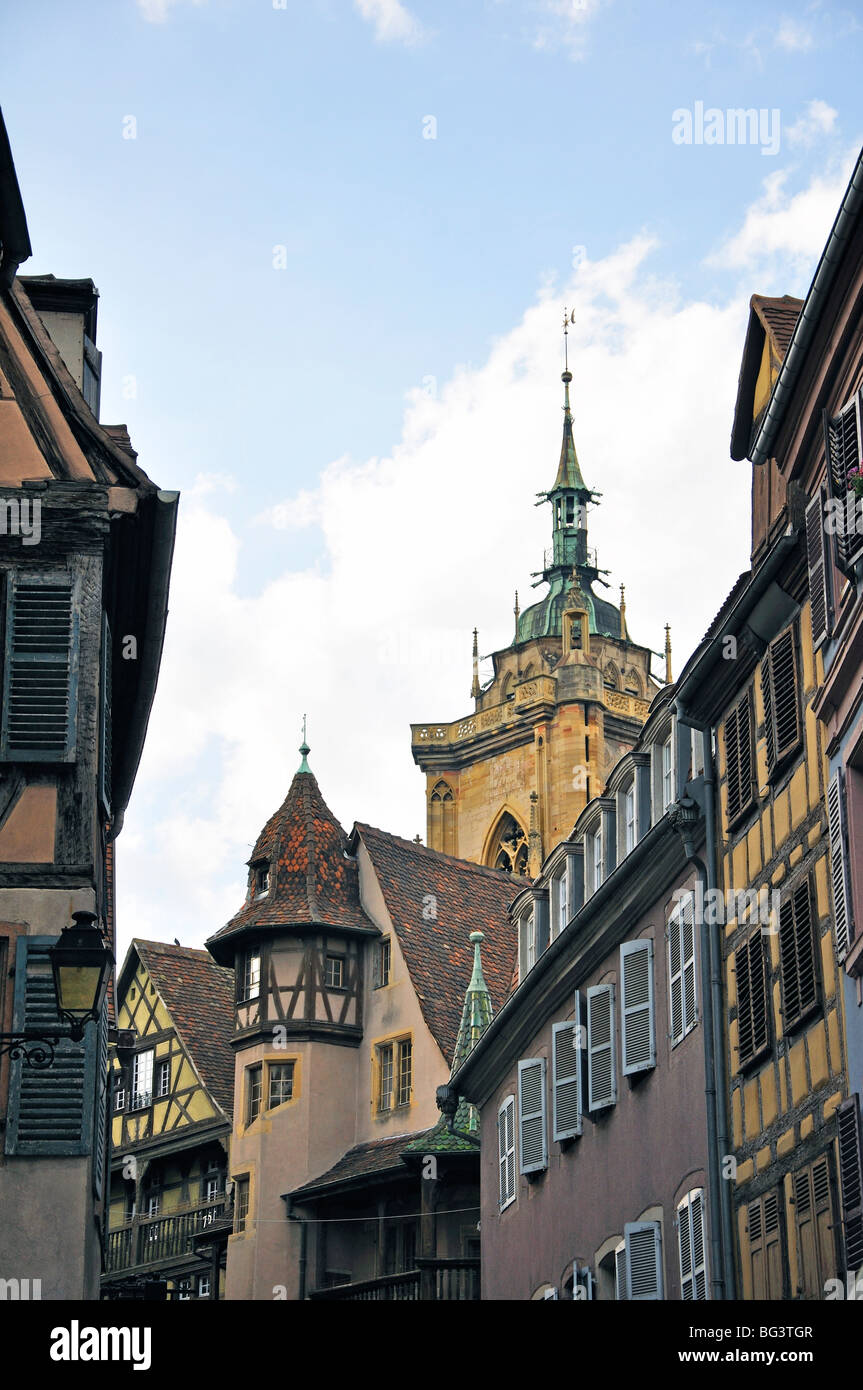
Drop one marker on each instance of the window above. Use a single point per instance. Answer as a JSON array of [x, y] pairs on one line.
[[682, 993], [814, 1221], [204, 1286], [251, 975], [120, 1098], [620, 1283], [601, 1060], [566, 1078], [629, 817], [637, 1021], [184, 1290], [384, 962], [527, 943], [765, 1247], [241, 1203], [405, 1072], [262, 880], [38, 714], [533, 1149], [212, 1187], [797, 955], [334, 970], [559, 905], [843, 449], [254, 1092], [739, 762], [506, 1151], [667, 774], [851, 1180], [690, 1246], [643, 1242], [153, 1204], [597, 858], [593, 859], [142, 1079], [779, 686], [752, 999], [839, 861], [163, 1079], [281, 1083], [442, 819]]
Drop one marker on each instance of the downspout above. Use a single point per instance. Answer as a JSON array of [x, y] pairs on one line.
[[304, 1243]]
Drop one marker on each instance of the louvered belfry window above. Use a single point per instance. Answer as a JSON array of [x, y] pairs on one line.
[[779, 687], [40, 675], [752, 1001], [739, 781], [797, 954], [843, 440]]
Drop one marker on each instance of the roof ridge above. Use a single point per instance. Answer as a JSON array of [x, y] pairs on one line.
[[469, 864]]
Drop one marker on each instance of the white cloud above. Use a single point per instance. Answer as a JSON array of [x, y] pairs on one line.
[[793, 36], [157, 11], [818, 120], [567, 25], [392, 22], [783, 231]]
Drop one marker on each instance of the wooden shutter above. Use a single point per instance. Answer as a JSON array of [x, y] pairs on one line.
[[819, 571], [101, 1117], [739, 782], [601, 1061], [533, 1148], [50, 1111], [643, 1260], [797, 954], [690, 1242], [781, 699], [506, 1150], [851, 1182], [566, 1080], [752, 1000], [842, 918], [41, 671], [682, 991], [842, 443], [620, 1289], [813, 1217], [637, 1022], [765, 1247], [106, 737]]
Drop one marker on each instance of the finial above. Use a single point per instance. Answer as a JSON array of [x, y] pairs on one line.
[[418, 839], [668, 677], [305, 750], [517, 612], [474, 690], [476, 979], [568, 318], [622, 613]]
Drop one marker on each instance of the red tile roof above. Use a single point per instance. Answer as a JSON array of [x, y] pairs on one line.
[[465, 897], [199, 996], [779, 317], [378, 1156]]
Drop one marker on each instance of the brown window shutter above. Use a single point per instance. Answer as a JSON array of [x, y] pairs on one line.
[[765, 1247], [813, 1216], [851, 1181], [819, 570], [779, 686], [842, 445], [738, 758], [797, 955], [752, 1004]]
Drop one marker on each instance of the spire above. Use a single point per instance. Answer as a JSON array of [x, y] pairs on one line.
[[568, 471], [668, 677], [622, 614], [517, 612], [304, 750], [474, 690], [477, 1012]]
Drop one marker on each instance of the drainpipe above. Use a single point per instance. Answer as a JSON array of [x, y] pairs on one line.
[[304, 1241], [685, 818]]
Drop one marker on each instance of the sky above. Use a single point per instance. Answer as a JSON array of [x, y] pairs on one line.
[[333, 241]]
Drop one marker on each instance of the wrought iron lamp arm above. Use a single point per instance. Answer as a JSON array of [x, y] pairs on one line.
[[34, 1049]]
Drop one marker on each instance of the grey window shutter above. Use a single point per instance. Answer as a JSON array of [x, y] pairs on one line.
[[506, 1149], [819, 571], [637, 1022], [533, 1148], [566, 1079], [851, 1181], [106, 736], [690, 1238], [601, 1060], [50, 1111], [620, 1282], [643, 1260], [41, 671], [839, 862]]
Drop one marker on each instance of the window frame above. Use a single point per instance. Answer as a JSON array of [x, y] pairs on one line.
[[331, 958], [686, 1223], [254, 1092], [163, 1074], [675, 929], [271, 1067], [242, 1203], [140, 1098], [250, 979]]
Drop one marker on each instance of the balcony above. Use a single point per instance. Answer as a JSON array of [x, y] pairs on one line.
[[153, 1240], [436, 1281]]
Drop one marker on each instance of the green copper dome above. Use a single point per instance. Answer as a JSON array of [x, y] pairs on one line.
[[545, 619]]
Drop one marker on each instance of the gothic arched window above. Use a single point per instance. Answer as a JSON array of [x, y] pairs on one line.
[[442, 819], [508, 848]]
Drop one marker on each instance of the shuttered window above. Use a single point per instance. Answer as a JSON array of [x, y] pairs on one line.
[[752, 999], [819, 570], [765, 1247], [637, 1022], [797, 955], [620, 1290], [739, 782], [41, 668], [566, 1080], [643, 1260], [813, 1218], [851, 1182], [682, 992], [601, 1060], [779, 687], [842, 440], [532, 1138], [691, 1246], [506, 1150], [839, 860], [50, 1111]]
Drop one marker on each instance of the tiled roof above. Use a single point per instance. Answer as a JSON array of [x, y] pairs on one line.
[[365, 1160], [312, 880], [779, 317], [199, 995], [464, 897]]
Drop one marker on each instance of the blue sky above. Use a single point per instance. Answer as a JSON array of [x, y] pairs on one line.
[[360, 434]]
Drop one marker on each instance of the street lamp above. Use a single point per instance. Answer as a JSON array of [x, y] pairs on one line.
[[81, 962]]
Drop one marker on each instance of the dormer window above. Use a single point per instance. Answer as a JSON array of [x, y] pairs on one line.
[[262, 880], [629, 818], [593, 859], [559, 902], [527, 943], [667, 774]]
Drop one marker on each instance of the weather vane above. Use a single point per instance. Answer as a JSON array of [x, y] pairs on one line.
[[568, 318]]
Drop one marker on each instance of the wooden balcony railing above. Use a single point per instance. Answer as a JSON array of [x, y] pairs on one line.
[[440, 1281], [150, 1240]]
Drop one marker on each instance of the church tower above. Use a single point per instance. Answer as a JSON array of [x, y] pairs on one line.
[[566, 699]]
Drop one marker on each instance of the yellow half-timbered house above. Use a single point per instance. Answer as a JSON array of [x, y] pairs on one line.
[[172, 1101]]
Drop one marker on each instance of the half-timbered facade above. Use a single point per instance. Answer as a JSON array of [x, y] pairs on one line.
[[172, 1103]]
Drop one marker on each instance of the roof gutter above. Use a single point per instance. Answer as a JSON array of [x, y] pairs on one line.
[[810, 316]]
